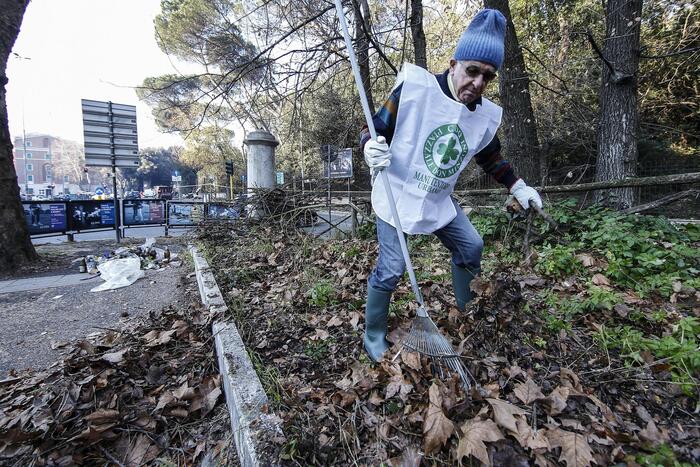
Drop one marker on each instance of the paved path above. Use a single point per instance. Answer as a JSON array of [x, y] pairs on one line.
[[132, 232], [35, 283], [48, 312]]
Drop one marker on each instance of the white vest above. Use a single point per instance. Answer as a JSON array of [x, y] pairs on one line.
[[435, 139]]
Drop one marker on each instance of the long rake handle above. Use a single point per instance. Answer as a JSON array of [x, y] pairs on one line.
[[373, 133]]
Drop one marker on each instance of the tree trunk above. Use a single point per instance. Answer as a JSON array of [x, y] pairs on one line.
[[362, 46], [15, 244], [417, 33], [619, 118], [520, 143]]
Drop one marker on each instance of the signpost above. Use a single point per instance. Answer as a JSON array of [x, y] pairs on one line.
[[177, 179], [111, 140]]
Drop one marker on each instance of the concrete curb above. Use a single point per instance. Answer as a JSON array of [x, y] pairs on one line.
[[256, 431]]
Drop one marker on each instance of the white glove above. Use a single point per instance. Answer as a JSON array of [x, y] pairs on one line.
[[524, 194], [377, 153]]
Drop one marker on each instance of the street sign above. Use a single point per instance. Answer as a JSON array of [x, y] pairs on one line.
[[341, 167], [280, 178], [110, 131], [99, 191], [177, 178], [329, 153], [101, 161]]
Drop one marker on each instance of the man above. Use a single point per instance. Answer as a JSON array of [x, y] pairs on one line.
[[435, 124]]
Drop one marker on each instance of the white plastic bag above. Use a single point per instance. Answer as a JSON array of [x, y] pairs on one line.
[[117, 273]]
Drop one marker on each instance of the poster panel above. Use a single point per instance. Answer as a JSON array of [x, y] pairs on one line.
[[341, 167], [143, 212], [185, 213], [222, 211], [86, 215], [45, 217]]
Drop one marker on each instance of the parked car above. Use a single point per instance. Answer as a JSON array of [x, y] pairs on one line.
[[132, 195], [164, 192]]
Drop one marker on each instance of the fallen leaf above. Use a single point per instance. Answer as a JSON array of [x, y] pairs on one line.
[[141, 451], [437, 428], [569, 379], [101, 416], [184, 392], [557, 400], [504, 413], [586, 259], [411, 359], [652, 434], [321, 334], [529, 439], [528, 392], [474, 434], [575, 450], [155, 338], [334, 321], [398, 385], [355, 319], [114, 357], [411, 457], [599, 279]]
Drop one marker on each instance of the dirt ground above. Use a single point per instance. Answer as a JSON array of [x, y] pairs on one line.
[[39, 323], [141, 390], [538, 396]]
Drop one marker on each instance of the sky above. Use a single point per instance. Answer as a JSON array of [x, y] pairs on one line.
[[83, 49]]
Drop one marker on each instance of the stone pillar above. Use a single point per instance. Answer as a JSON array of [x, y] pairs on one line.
[[261, 159]]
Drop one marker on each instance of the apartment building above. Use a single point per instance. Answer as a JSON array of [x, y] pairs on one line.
[[45, 167]]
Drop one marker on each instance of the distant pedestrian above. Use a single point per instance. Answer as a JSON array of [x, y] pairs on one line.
[[35, 209]]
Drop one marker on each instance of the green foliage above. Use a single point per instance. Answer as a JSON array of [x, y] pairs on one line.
[[318, 350], [558, 260], [269, 378], [678, 349], [645, 253], [489, 223], [322, 294], [156, 167], [367, 231], [663, 456]]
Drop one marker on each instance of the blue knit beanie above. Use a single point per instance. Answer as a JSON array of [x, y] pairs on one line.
[[483, 39]]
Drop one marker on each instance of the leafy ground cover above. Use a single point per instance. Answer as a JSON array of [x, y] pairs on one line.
[[146, 393], [589, 356]]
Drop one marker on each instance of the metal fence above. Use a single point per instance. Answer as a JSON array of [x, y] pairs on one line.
[[50, 218]]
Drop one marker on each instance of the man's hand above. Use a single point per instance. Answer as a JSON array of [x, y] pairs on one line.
[[524, 194], [377, 153]]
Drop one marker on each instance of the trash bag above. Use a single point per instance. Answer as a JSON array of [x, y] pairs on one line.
[[117, 273]]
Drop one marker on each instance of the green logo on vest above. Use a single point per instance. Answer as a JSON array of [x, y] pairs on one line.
[[444, 150]]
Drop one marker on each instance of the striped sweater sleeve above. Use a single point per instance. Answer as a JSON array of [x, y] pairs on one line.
[[384, 120]]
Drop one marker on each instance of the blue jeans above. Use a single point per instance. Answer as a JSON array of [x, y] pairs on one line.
[[459, 236]]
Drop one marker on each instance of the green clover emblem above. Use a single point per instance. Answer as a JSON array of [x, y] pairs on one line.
[[444, 150], [447, 151]]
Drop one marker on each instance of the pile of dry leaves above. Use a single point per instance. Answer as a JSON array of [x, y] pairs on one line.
[[126, 397], [298, 304]]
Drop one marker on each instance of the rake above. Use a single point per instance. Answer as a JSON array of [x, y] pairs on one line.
[[424, 336]]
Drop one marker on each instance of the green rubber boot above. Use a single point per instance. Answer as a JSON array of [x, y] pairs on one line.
[[376, 314], [461, 278]]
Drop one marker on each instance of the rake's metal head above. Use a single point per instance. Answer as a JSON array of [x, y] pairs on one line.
[[425, 338]]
